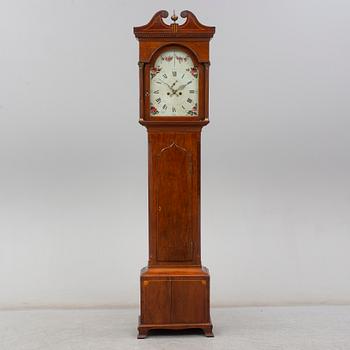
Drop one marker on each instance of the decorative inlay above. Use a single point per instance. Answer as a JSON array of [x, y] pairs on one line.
[[173, 144]]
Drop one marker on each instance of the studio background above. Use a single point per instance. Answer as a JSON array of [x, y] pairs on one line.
[[275, 157]]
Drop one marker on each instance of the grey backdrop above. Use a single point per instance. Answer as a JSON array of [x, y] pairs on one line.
[[275, 157]]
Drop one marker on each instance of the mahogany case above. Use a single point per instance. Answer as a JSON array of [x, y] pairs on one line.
[[174, 286]]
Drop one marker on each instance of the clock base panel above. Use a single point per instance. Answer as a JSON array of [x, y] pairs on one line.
[[174, 298]]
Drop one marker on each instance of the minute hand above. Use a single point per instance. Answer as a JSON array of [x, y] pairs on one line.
[[170, 87]]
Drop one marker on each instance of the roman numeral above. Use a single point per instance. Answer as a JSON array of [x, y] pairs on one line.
[[189, 82], [183, 107], [165, 76], [173, 109], [158, 100], [182, 76], [156, 92], [188, 100], [191, 91], [165, 107], [174, 74]]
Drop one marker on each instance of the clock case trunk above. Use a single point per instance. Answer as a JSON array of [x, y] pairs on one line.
[[174, 197], [174, 287]]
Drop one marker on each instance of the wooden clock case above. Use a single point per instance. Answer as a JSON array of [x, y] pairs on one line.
[[174, 285]]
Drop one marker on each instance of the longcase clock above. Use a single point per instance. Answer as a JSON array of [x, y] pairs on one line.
[[174, 84]]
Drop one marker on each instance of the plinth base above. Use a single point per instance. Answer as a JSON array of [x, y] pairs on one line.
[[174, 298], [207, 328]]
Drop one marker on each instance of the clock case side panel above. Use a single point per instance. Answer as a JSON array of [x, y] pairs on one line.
[[187, 227]]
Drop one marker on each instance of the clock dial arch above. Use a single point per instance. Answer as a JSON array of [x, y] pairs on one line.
[[174, 84], [179, 95]]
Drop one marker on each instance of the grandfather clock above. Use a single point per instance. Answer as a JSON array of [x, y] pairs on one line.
[[174, 84]]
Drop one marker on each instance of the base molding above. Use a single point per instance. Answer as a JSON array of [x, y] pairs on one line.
[[143, 329]]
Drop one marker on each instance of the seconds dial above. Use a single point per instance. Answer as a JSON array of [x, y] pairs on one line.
[[174, 85]]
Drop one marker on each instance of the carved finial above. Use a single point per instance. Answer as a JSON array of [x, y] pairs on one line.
[[174, 17], [157, 28]]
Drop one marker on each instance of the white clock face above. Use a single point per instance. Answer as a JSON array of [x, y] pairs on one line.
[[174, 85]]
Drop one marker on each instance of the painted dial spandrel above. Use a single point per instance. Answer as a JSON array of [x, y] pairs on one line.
[[174, 85]]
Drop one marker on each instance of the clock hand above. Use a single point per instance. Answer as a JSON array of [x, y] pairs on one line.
[[181, 87], [170, 87], [184, 85], [173, 84], [173, 92]]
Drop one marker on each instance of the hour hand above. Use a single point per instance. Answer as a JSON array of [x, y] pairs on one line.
[[181, 87], [172, 85]]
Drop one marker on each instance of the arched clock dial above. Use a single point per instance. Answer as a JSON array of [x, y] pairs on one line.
[[174, 85]]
